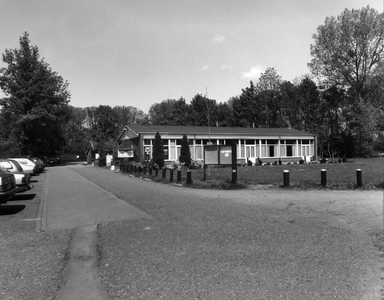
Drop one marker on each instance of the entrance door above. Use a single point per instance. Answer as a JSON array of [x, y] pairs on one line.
[[305, 151], [271, 151], [250, 152]]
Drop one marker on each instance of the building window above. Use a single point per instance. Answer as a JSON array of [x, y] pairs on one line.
[[289, 150], [271, 151]]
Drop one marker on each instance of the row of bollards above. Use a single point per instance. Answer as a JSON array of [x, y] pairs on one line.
[[359, 178], [143, 170]]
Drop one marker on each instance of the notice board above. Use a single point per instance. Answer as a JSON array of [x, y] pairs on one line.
[[218, 155]]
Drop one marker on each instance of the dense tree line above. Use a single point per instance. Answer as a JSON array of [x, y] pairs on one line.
[[341, 100]]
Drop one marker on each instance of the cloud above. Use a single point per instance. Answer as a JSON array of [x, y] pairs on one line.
[[226, 67], [254, 73], [204, 68], [218, 39]]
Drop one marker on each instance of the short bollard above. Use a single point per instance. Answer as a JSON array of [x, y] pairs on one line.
[[286, 178], [178, 176], [324, 177], [170, 175], [359, 178], [164, 174], [189, 177], [150, 171], [156, 172]]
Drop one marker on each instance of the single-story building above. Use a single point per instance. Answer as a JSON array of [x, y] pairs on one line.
[[268, 144], [92, 152]]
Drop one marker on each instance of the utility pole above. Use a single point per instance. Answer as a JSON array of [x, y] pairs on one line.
[[209, 127]]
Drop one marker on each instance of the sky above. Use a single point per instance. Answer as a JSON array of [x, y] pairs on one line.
[[141, 52]]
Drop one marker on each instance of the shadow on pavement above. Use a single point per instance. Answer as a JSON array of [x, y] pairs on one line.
[[18, 197], [10, 209]]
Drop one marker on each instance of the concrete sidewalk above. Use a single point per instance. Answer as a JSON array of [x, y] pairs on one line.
[[70, 200]]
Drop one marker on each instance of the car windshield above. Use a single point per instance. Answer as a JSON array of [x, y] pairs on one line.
[[17, 165]]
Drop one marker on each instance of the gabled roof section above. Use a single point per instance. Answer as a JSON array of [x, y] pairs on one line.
[[127, 131], [149, 129], [92, 145]]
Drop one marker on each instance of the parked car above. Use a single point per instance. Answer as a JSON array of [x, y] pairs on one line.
[[7, 187], [39, 163], [40, 160], [27, 164], [23, 180], [54, 161], [14, 166]]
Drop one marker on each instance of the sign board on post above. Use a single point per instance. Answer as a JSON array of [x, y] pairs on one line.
[[211, 155], [125, 153], [221, 155], [217, 155]]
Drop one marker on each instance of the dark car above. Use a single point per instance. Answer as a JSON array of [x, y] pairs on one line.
[[7, 186]]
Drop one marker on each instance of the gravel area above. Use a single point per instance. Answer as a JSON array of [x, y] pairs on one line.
[[234, 245], [31, 262]]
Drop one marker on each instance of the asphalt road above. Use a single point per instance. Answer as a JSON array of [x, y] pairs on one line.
[[209, 245], [146, 240]]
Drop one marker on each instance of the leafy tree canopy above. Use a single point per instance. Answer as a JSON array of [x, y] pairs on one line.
[[349, 50], [35, 102]]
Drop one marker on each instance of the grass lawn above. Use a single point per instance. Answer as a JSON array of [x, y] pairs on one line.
[[339, 175]]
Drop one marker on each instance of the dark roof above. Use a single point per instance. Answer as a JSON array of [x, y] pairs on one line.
[[92, 146], [215, 130]]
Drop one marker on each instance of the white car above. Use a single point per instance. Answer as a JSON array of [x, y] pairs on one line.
[[23, 180], [13, 166], [27, 165]]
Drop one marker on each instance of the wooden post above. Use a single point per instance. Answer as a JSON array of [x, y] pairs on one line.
[[170, 175], [359, 178], [286, 178], [150, 171], [324, 177], [164, 173], [189, 177], [234, 162], [178, 176], [156, 172]]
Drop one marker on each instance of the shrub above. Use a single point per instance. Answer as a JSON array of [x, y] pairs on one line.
[[196, 164], [185, 154], [301, 161], [323, 160], [274, 163], [102, 161], [259, 161], [344, 159], [280, 162], [249, 163], [158, 151]]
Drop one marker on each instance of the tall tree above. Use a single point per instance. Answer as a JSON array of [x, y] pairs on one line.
[[36, 100], [185, 152], [268, 89], [247, 109], [76, 135], [203, 111], [162, 113], [349, 51], [158, 151]]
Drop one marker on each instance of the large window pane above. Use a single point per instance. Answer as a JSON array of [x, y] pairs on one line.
[[199, 152]]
